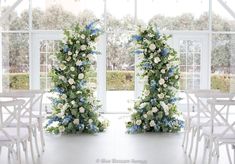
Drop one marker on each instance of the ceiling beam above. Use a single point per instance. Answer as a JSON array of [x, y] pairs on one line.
[[229, 10], [9, 10]]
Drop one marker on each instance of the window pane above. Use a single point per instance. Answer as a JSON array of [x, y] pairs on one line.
[[15, 61], [222, 62]]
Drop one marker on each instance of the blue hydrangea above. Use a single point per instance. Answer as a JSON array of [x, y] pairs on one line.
[[147, 66], [136, 37], [66, 48], [164, 52]]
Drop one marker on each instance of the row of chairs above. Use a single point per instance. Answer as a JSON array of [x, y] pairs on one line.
[[209, 116], [21, 119]]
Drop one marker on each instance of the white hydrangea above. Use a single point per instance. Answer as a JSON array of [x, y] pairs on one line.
[[54, 124], [70, 53], [152, 123], [83, 47], [61, 129], [81, 76], [81, 110], [165, 107], [176, 76], [154, 109], [138, 122], [72, 69], [71, 81], [161, 95], [152, 47], [161, 81], [149, 113], [76, 121], [145, 115], [157, 60], [73, 87]]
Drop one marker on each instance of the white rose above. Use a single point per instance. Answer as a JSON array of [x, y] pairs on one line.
[[65, 106], [138, 122], [83, 47], [60, 106], [64, 96], [72, 69], [70, 53], [142, 105], [161, 81], [163, 71], [61, 129], [152, 123], [176, 76], [145, 115], [76, 121], [152, 47], [165, 107], [81, 110], [62, 67], [164, 85], [71, 81], [157, 60], [73, 87], [79, 62], [154, 109], [147, 92], [73, 102], [83, 36], [161, 95], [90, 56], [81, 76], [149, 113], [68, 59], [90, 121]]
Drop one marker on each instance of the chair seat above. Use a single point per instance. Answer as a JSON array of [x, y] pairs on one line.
[[25, 122], [203, 122], [218, 133], [12, 132]]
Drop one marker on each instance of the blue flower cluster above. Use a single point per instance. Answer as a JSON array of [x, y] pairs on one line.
[[138, 52], [52, 119], [147, 65], [66, 48], [136, 37], [67, 119], [164, 52]]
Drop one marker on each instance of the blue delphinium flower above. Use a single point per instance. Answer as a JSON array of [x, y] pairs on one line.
[[153, 84], [66, 48], [90, 26], [59, 90], [171, 72], [80, 127], [136, 37], [138, 51], [153, 101], [82, 99], [147, 65], [164, 52], [95, 31]]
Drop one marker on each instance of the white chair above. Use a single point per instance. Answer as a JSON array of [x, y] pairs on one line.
[[13, 137], [220, 135], [190, 115], [32, 106], [203, 116]]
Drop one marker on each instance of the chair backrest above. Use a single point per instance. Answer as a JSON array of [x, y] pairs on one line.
[[33, 99], [217, 108], [13, 108], [203, 107]]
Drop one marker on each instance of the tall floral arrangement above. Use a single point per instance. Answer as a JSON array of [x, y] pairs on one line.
[[74, 108], [155, 110]]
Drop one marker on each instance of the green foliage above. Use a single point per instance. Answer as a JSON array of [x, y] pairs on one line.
[[155, 110], [120, 80], [75, 108], [221, 82]]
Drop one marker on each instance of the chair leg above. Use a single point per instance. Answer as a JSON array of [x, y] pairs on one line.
[[210, 150], [25, 147], [31, 147], [197, 143], [41, 135], [187, 140], [36, 140], [18, 153], [205, 147], [192, 142], [228, 154]]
